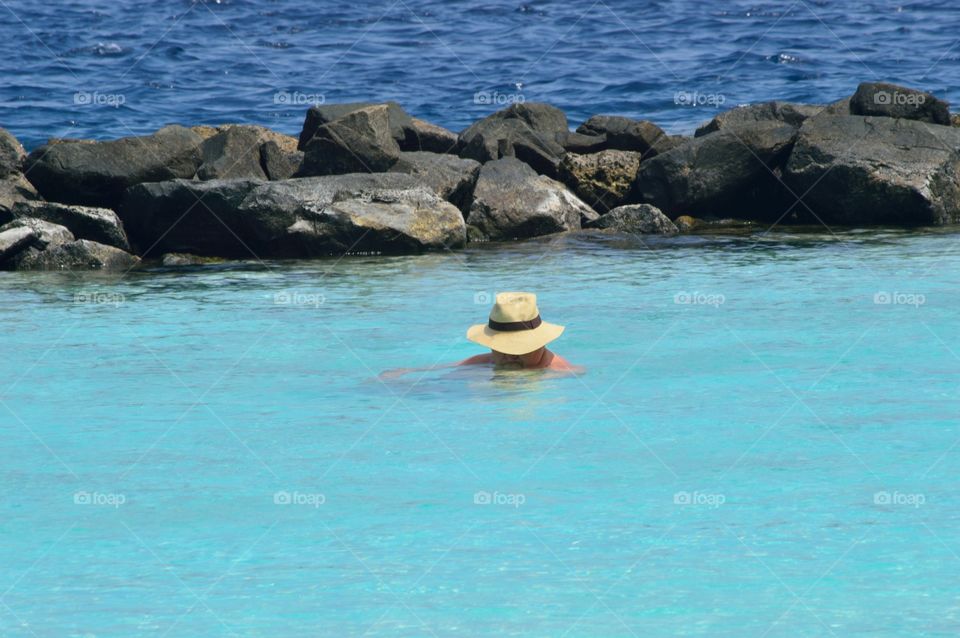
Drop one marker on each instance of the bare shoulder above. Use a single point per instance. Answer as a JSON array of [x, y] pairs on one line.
[[559, 363], [477, 359]]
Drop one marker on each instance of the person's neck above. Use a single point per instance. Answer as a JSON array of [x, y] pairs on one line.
[[545, 356]]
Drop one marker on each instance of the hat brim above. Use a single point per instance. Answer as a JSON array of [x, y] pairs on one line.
[[517, 342]]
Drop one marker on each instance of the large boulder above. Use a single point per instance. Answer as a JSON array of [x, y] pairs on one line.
[[76, 255], [305, 217], [97, 174], [15, 188], [731, 171], [14, 240], [876, 170], [47, 235], [85, 222], [237, 151], [450, 177], [511, 201], [603, 180], [280, 161], [738, 117], [420, 135], [889, 100], [359, 142], [637, 219], [400, 123], [527, 131], [626, 134], [11, 154]]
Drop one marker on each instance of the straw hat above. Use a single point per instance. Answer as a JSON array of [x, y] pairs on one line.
[[515, 326]]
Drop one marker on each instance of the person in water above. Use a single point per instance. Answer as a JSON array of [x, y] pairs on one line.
[[516, 335]]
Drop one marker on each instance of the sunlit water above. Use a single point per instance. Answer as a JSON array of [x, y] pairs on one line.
[[93, 68], [211, 452]]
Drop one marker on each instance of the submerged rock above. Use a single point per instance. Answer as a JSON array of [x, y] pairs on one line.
[[85, 222], [357, 142], [729, 169], [602, 180], [890, 100], [97, 174], [638, 219], [876, 170], [305, 217], [184, 259], [525, 131], [511, 201], [450, 177]]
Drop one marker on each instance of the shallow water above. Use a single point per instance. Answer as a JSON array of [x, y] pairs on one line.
[[776, 457], [90, 68]]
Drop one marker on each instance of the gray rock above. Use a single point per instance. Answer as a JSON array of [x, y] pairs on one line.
[[709, 175], [401, 124], [279, 163], [450, 177], [234, 152], [786, 112], [14, 240], [85, 222], [637, 219], [525, 131], [15, 188], [580, 143], [359, 142], [603, 180], [424, 136], [11, 153], [511, 201], [889, 100], [305, 217], [626, 134], [81, 254], [97, 174], [48, 235], [876, 170], [184, 259]]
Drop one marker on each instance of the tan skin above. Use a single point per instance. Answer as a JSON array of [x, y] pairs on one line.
[[540, 359]]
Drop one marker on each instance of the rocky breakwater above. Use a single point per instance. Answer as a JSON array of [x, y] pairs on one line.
[[370, 178]]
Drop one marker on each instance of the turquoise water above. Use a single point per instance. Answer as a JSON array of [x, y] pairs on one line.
[[208, 452]]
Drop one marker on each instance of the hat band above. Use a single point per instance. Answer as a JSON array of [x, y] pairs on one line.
[[514, 326]]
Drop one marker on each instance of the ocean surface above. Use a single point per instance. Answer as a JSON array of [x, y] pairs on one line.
[[765, 443], [97, 69]]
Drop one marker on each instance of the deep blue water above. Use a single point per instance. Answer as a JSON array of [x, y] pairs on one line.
[[227, 61]]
